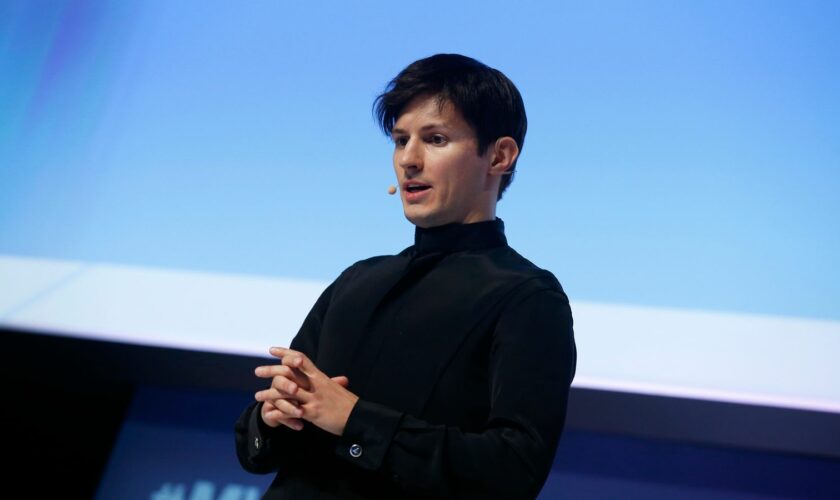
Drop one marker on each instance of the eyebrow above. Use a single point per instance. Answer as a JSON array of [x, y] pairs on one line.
[[395, 131]]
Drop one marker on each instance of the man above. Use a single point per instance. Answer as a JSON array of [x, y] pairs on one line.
[[442, 371]]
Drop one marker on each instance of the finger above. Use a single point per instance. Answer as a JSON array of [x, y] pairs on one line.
[[268, 371], [278, 418], [301, 362], [342, 380], [284, 385], [295, 375], [274, 393], [292, 358], [289, 409], [279, 352], [268, 395], [271, 405], [267, 406], [278, 387], [293, 423]]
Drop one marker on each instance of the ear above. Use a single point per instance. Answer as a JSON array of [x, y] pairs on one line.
[[505, 153]]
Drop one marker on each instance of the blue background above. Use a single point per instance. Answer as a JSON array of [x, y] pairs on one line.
[[679, 154]]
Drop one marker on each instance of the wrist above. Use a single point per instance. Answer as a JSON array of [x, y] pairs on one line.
[[346, 414]]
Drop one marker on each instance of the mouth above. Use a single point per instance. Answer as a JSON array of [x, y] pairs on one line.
[[415, 191], [415, 187]]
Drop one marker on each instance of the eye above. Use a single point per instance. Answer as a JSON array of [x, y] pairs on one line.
[[400, 141], [437, 140]]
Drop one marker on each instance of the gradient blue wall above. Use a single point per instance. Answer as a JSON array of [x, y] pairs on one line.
[[679, 154]]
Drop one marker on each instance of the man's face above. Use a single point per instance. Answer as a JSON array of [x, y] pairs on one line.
[[442, 177]]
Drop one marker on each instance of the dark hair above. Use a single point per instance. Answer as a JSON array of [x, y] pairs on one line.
[[484, 96]]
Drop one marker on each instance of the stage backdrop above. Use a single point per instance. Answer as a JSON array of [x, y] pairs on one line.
[[194, 173]]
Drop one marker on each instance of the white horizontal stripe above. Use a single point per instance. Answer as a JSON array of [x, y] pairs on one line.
[[751, 359]]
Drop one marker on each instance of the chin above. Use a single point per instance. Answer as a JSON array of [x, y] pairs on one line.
[[417, 221], [418, 218], [426, 220]]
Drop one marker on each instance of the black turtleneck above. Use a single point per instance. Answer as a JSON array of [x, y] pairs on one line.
[[457, 237], [461, 352]]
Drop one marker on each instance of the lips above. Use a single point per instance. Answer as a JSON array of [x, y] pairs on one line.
[[415, 187], [415, 190]]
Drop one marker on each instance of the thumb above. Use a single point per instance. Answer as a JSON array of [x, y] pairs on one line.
[[342, 380]]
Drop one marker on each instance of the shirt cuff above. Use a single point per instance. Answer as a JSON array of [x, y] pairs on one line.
[[259, 435], [368, 434]]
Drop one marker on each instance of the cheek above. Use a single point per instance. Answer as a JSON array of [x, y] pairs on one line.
[[465, 180]]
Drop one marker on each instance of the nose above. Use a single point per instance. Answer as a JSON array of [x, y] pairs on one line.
[[410, 156]]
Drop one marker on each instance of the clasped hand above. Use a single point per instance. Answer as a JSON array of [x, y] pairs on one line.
[[300, 391]]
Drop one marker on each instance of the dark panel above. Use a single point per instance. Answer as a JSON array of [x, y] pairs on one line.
[[704, 422], [707, 422]]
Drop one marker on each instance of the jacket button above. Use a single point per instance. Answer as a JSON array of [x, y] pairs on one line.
[[355, 451], [257, 443]]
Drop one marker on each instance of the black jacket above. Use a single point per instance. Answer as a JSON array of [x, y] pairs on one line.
[[461, 352]]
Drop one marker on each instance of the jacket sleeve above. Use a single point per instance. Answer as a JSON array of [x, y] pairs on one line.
[[531, 366], [260, 448]]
